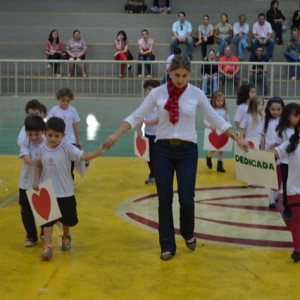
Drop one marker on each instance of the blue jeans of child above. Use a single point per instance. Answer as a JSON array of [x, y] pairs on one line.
[[170, 159]]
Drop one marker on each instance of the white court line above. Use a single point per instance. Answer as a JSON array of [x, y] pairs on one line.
[[9, 200]]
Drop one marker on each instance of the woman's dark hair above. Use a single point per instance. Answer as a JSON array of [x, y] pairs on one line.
[[51, 39], [294, 141], [56, 124], [268, 115], [123, 33], [289, 109], [243, 93], [273, 2]]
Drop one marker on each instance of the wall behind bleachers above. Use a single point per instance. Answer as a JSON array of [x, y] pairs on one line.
[[25, 25]]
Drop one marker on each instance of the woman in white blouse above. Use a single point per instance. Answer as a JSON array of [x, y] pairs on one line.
[[175, 148]]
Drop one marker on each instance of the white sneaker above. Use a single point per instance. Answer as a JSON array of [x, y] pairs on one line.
[[293, 78], [29, 242]]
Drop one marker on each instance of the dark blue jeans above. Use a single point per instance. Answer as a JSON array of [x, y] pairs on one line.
[[169, 159]]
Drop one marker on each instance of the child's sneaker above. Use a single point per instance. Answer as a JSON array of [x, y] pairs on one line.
[[66, 242], [29, 242], [47, 252]]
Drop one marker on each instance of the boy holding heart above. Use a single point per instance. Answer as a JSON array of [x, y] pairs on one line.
[[55, 164]]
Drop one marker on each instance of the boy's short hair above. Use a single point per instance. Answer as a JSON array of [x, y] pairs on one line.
[[44, 109], [64, 92], [56, 124], [33, 104], [34, 123], [151, 83]]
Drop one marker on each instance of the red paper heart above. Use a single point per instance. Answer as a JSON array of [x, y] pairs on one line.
[[251, 144], [218, 140], [42, 203], [140, 145]]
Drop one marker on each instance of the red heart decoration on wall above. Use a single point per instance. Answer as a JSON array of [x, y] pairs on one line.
[[42, 203], [218, 140], [251, 144], [140, 145]]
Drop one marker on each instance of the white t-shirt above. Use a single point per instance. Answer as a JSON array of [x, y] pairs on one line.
[[293, 182], [221, 112], [70, 116], [185, 129], [252, 130], [240, 112], [56, 164], [27, 171], [286, 134], [270, 136], [22, 136]]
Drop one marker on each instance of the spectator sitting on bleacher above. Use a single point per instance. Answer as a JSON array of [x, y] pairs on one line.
[[135, 6], [145, 45], [292, 53], [182, 34], [296, 19], [161, 7], [240, 36], [210, 74], [276, 18], [167, 77], [53, 49], [223, 34], [76, 49], [229, 71], [259, 70], [122, 51], [205, 35], [262, 33]]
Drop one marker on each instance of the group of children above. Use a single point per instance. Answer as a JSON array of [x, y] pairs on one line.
[[273, 128], [48, 151]]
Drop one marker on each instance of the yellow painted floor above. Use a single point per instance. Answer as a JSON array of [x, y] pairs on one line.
[[113, 258]]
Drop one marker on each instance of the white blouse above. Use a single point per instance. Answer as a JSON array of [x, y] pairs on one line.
[[185, 129]]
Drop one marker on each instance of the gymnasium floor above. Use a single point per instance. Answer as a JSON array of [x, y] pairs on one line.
[[243, 247]]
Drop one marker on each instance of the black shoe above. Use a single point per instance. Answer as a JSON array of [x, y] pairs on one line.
[[167, 255], [220, 167], [272, 205], [191, 245], [208, 162], [295, 256], [287, 215]]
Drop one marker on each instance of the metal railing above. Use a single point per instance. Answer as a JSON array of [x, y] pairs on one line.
[[32, 77]]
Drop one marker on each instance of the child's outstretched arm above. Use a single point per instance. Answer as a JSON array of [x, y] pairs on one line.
[[37, 177], [91, 155]]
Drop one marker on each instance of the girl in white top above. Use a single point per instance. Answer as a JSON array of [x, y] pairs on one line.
[[253, 122], [285, 129], [219, 104], [69, 114], [176, 148], [273, 112], [245, 93], [291, 150]]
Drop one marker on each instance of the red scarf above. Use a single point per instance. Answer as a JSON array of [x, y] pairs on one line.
[[172, 105]]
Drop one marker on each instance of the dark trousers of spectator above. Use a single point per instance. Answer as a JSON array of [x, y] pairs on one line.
[[210, 41], [278, 32], [27, 216], [260, 77], [56, 66], [147, 66], [135, 9]]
